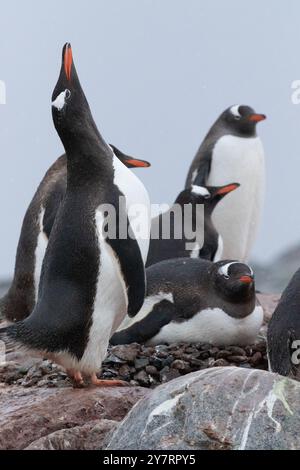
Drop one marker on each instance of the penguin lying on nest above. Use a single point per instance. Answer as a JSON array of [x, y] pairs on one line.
[[89, 280], [202, 239], [283, 336], [195, 301], [21, 297]]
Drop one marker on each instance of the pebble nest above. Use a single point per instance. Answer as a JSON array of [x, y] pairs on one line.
[[139, 365]]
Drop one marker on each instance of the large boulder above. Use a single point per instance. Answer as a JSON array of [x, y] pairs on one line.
[[220, 408]]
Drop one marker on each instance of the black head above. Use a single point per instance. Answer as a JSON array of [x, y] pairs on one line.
[[234, 280], [128, 161], [70, 109], [241, 120], [209, 196]]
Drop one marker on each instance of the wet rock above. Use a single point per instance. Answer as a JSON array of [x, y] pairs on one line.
[[219, 408], [27, 414], [91, 436]]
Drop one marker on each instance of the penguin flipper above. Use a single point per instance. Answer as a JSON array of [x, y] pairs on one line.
[[201, 165], [142, 331], [203, 170], [52, 205], [133, 270]]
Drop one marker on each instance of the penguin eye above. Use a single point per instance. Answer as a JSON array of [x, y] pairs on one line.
[[67, 94], [237, 118]]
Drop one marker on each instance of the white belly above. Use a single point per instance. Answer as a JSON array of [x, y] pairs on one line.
[[138, 204], [110, 307], [237, 216], [213, 326]]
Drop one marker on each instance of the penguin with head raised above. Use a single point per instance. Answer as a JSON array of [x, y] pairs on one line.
[[21, 297], [283, 335], [232, 151], [90, 279], [196, 301], [186, 229]]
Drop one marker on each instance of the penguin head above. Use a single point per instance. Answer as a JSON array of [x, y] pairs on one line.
[[209, 196], [241, 119], [128, 161], [70, 109], [234, 280]]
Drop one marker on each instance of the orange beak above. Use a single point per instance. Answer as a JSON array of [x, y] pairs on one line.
[[133, 162], [68, 61], [246, 279], [257, 117], [227, 189]]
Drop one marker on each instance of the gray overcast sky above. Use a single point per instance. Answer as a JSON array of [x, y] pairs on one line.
[[156, 73]]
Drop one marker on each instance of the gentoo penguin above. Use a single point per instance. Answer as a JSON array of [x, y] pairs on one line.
[[232, 151], [21, 298], [91, 277], [194, 301], [283, 336], [182, 231]]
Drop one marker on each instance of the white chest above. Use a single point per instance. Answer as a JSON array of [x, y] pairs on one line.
[[238, 160], [215, 327]]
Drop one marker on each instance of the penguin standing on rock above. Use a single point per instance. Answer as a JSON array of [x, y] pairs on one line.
[[283, 336], [232, 151], [21, 298], [202, 239], [90, 279], [196, 301]]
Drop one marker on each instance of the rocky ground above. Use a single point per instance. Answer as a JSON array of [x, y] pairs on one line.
[[32, 382]]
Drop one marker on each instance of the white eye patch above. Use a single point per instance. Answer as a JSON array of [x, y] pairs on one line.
[[200, 191], [224, 269], [235, 111], [60, 101]]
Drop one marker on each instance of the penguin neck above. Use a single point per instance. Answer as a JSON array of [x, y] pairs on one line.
[[89, 159]]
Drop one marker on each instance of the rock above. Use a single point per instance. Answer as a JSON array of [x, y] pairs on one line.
[[142, 378], [219, 408], [127, 353], [91, 436], [27, 414], [141, 362]]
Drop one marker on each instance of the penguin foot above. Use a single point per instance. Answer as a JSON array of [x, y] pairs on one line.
[[107, 383], [76, 378]]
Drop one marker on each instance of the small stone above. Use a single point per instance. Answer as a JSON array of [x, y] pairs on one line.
[[236, 351], [142, 378], [221, 363], [237, 359], [124, 372], [204, 355], [223, 354], [180, 365], [213, 352], [256, 358], [141, 362], [205, 347], [151, 370], [168, 374], [196, 363], [127, 352], [156, 362]]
